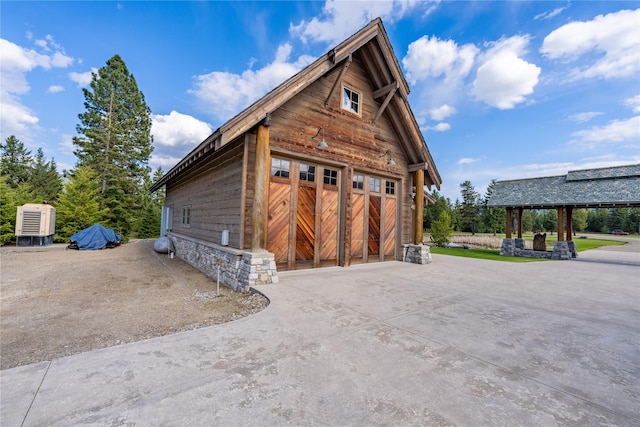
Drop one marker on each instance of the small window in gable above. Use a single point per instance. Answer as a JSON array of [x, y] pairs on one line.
[[350, 100]]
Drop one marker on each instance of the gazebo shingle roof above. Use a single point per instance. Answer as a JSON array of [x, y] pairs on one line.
[[603, 187]]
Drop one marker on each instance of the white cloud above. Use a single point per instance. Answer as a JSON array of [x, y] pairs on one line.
[[551, 14], [55, 89], [440, 127], [224, 94], [504, 79], [612, 39], [432, 57], [177, 129], [466, 161], [616, 131], [584, 117], [633, 103], [340, 19], [174, 135], [442, 112], [83, 79], [15, 62]]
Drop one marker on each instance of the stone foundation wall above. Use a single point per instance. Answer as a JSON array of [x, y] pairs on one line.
[[416, 254], [238, 269]]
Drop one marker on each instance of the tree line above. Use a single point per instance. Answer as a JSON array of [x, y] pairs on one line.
[[111, 179], [473, 215]]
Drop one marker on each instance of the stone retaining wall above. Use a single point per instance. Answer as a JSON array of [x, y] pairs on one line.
[[238, 269]]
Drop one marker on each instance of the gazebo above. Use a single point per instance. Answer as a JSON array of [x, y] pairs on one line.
[[612, 187]]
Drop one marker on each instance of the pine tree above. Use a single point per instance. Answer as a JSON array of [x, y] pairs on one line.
[[469, 210], [78, 206], [493, 219], [116, 141], [44, 180], [15, 162], [10, 199]]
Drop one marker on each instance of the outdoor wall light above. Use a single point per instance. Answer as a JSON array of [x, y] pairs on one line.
[[322, 145], [390, 161]]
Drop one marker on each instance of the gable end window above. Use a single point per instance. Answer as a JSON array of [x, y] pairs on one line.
[[350, 100]]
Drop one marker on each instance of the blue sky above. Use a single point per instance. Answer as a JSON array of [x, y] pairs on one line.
[[501, 90]]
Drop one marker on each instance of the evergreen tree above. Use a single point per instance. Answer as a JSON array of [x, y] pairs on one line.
[[597, 220], [15, 162], [78, 205], [469, 210], [116, 142], [10, 199], [148, 224], [44, 180], [579, 219], [493, 219], [442, 230]]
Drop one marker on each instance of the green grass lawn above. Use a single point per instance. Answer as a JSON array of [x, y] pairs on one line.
[[491, 254], [481, 254]]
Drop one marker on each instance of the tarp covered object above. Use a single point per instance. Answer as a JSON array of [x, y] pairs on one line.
[[95, 237]]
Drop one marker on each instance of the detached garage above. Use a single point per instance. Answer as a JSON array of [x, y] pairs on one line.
[[327, 169]]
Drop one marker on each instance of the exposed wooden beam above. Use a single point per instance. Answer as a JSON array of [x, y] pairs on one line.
[[347, 62], [384, 104], [417, 166], [418, 213], [385, 90], [261, 189]]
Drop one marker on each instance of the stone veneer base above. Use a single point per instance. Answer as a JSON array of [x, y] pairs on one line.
[[563, 250], [239, 270]]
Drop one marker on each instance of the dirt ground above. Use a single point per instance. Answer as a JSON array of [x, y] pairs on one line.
[[56, 302]]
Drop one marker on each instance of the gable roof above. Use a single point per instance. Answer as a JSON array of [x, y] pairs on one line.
[[386, 75], [603, 187]]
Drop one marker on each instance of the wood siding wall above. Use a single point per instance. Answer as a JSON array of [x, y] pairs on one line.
[[214, 196], [355, 143]]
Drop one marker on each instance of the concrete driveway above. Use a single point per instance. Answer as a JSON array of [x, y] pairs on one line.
[[457, 342]]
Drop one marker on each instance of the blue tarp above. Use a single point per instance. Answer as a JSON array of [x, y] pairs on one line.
[[95, 237]]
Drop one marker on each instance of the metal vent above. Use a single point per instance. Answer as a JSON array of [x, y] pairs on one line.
[[31, 223]]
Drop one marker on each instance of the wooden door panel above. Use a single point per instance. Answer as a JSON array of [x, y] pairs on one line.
[[373, 241], [305, 223], [278, 221], [390, 228], [329, 225], [357, 225]]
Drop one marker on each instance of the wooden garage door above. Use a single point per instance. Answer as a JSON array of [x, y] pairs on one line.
[[302, 229], [373, 219]]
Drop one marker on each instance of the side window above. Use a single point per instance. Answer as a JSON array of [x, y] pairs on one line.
[[280, 168], [186, 216], [330, 177], [358, 181], [307, 173], [350, 100]]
